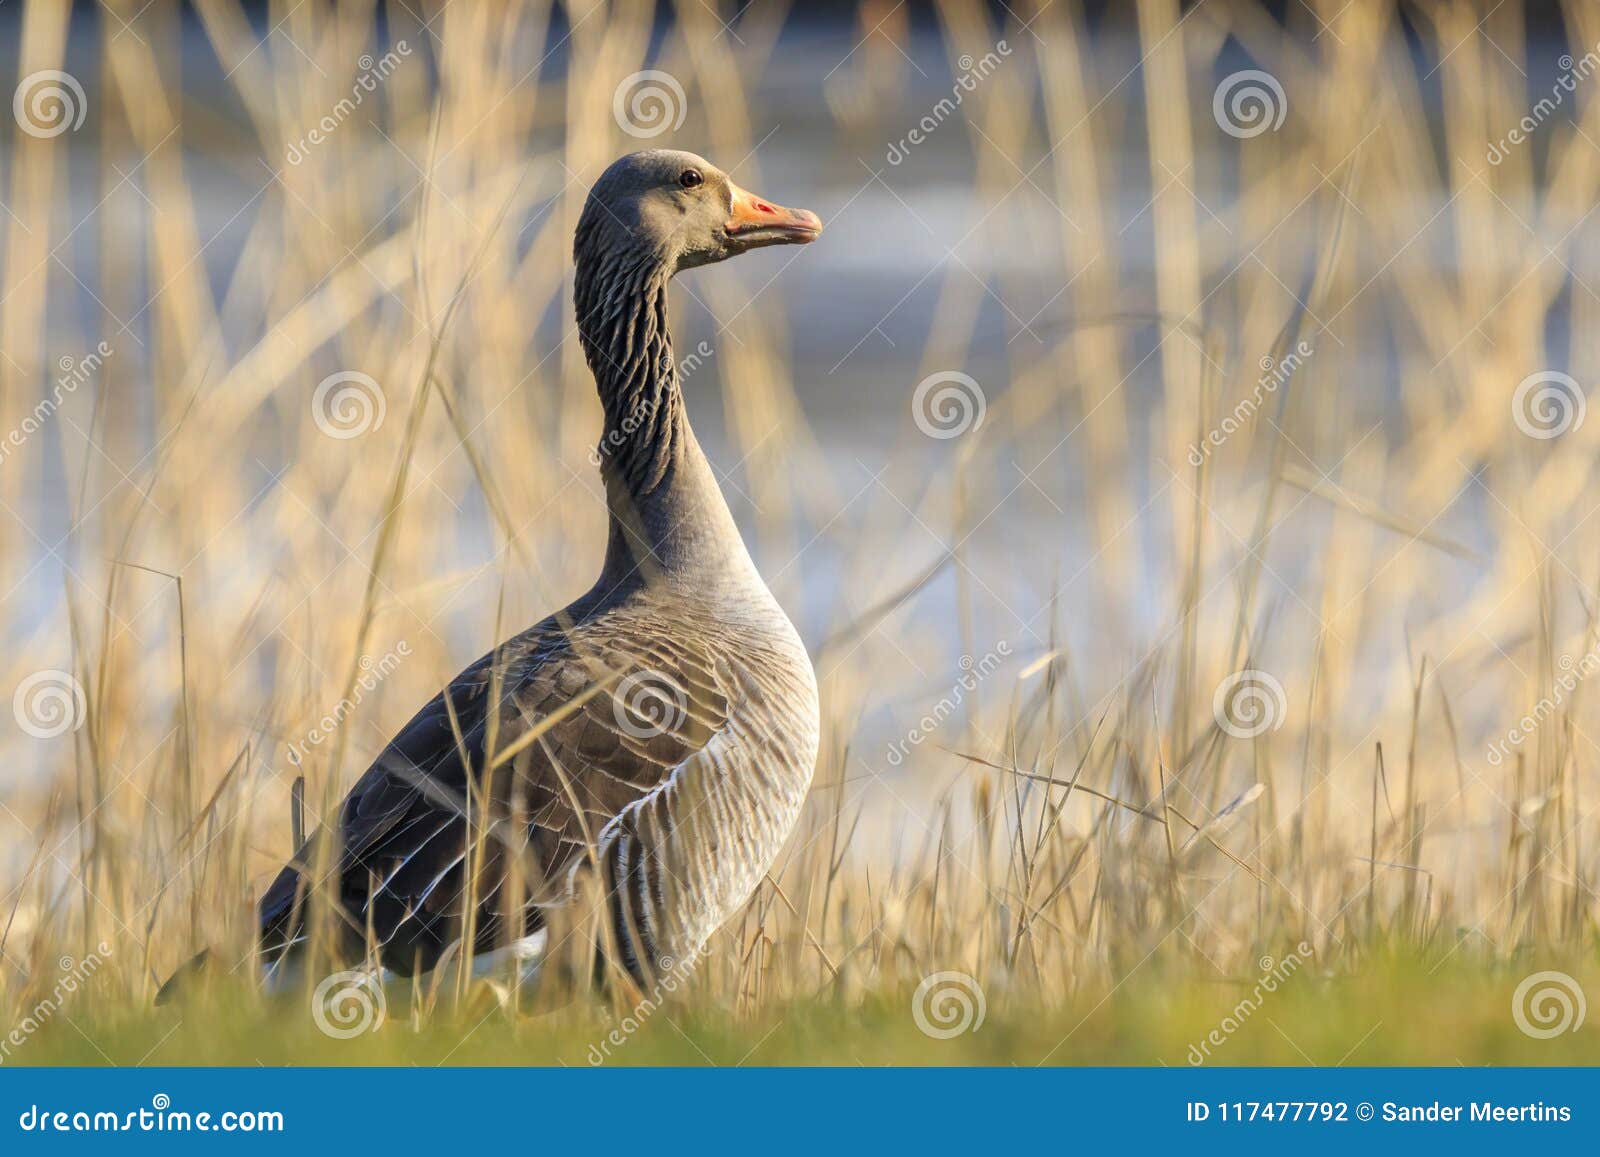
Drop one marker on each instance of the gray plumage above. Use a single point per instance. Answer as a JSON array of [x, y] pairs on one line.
[[684, 705]]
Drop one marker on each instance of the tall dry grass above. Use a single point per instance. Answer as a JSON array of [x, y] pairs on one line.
[[1379, 536]]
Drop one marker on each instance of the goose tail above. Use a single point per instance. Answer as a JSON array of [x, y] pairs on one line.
[[182, 977]]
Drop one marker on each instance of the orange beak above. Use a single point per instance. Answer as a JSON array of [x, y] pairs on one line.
[[753, 222]]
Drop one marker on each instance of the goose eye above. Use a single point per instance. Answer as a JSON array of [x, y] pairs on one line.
[[691, 179]]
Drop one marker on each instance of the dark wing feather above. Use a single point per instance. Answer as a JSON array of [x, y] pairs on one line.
[[644, 704]]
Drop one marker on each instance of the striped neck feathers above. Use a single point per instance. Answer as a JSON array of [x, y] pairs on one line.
[[621, 303], [666, 510]]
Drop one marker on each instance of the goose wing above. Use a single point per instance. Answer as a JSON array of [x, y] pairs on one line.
[[590, 719]]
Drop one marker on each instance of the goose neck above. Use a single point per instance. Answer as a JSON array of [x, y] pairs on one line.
[[666, 509]]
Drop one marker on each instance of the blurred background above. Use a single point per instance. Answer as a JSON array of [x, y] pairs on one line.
[[1173, 454]]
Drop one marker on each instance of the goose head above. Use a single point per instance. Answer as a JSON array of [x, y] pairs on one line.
[[679, 210]]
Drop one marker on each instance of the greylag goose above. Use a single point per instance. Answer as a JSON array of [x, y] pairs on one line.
[[674, 704]]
